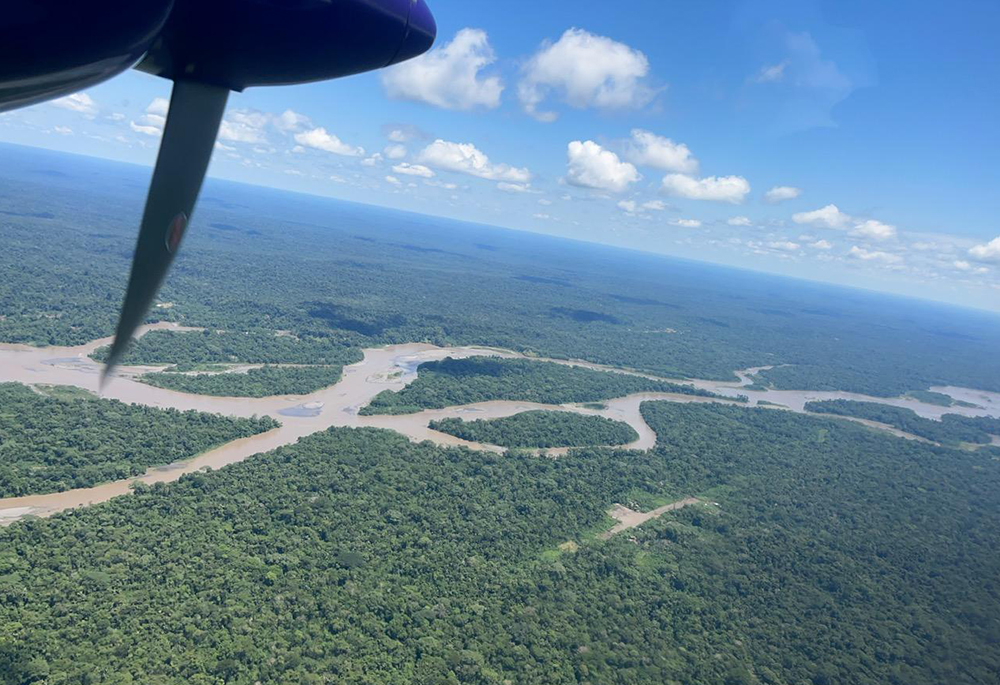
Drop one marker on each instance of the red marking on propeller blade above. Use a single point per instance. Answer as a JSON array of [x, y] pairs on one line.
[[175, 232]]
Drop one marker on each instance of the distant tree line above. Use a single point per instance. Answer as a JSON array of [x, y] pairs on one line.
[[235, 346], [309, 288]]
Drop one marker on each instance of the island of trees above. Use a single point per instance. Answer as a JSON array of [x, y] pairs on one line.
[[452, 382], [65, 440], [260, 382], [936, 398], [541, 429], [951, 429]]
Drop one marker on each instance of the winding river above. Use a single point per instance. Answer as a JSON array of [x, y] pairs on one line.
[[385, 368]]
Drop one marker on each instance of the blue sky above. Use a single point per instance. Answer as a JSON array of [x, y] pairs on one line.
[[654, 125]]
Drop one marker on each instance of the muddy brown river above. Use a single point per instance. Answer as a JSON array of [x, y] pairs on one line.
[[386, 368]]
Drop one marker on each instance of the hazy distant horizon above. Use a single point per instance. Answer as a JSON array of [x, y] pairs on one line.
[[988, 306]]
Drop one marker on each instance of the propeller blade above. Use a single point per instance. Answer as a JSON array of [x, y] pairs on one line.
[[188, 138]]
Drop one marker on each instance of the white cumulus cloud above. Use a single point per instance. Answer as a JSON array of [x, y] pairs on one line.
[[159, 106], [449, 77], [783, 245], [980, 270], [829, 216], [635, 207], [289, 121], [821, 245], [250, 125], [686, 223], [145, 129], [585, 70], [987, 252], [591, 166], [81, 103], [152, 122], [876, 230], [739, 221], [413, 170], [649, 149], [781, 193], [244, 126], [467, 159], [718, 188], [874, 255], [441, 184], [515, 187], [395, 151], [319, 139]]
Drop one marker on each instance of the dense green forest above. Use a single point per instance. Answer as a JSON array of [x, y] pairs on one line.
[[825, 552], [262, 382], [49, 444], [951, 429], [245, 346], [356, 556], [452, 382], [335, 277], [540, 429]]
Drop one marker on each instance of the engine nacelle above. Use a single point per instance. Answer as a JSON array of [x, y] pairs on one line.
[[243, 43], [50, 48]]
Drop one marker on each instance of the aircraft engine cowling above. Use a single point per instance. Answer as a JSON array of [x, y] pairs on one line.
[[241, 43], [50, 48]]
